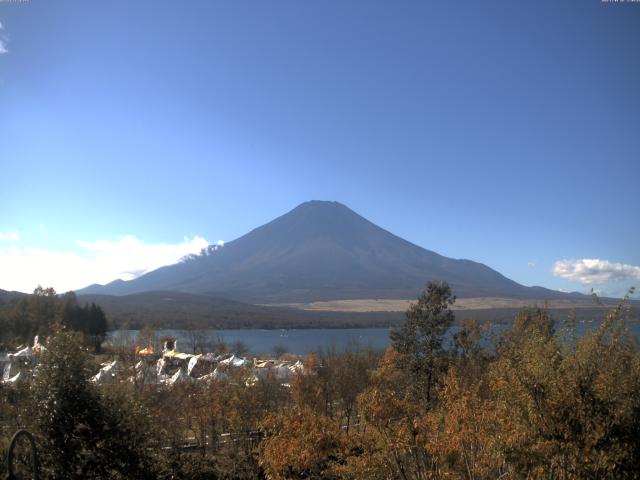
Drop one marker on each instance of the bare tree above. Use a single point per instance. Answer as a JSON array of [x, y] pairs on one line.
[[239, 347], [280, 350], [197, 340]]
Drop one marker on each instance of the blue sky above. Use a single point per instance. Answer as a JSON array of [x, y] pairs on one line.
[[504, 132]]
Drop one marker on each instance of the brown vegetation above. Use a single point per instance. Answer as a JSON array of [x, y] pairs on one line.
[[535, 404]]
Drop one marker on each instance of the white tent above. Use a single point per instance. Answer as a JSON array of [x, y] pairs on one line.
[[146, 373], [108, 373], [234, 361], [178, 377]]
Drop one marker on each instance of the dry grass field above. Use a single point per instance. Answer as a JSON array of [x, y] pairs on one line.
[[400, 305]]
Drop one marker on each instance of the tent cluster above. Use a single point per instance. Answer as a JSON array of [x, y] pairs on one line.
[[19, 366], [173, 367], [168, 368]]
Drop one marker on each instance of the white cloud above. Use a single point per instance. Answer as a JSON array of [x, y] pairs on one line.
[[3, 41], [101, 261], [531, 264], [591, 271], [13, 236]]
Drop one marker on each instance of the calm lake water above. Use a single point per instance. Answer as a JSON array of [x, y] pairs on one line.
[[304, 341]]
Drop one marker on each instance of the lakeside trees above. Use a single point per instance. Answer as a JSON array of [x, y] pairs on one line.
[[45, 312], [537, 403]]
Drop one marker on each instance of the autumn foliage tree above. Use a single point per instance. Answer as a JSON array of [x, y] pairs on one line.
[[537, 402], [570, 410], [300, 443]]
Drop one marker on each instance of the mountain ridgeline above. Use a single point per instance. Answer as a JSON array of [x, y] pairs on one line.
[[321, 251]]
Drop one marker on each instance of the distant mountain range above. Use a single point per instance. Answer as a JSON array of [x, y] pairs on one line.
[[322, 251], [7, 296]]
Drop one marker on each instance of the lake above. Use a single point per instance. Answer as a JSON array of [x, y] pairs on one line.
[[304, 341]]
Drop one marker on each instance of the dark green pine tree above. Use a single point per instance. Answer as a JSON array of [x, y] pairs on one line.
[[84, 434], [420, 339], [96, 326]]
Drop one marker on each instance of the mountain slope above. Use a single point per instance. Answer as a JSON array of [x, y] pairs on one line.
[[321, 251]]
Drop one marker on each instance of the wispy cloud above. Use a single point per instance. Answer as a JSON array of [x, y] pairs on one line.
[[12, 236], [593, 271], [101, 261], [3, 40]]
